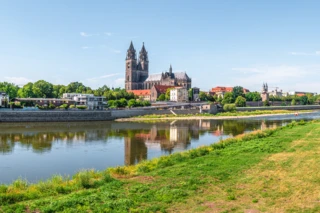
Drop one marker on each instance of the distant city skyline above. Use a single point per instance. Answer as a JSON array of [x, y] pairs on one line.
[[218, 43]]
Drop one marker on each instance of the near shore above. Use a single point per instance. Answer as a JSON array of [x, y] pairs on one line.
[[275, 170], [219, 116]]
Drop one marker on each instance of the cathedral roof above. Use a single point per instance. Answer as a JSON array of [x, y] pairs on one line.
[[181, 75], [154, 77], [162, 88]]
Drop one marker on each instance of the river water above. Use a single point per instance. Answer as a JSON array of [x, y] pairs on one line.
[[36, 151]]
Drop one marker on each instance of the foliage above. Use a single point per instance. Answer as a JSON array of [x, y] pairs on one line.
[[227, 98], [9, 88], [266, 103], [81, 107], [162, 97], [72, 106], [42, 89], [190, 94], [237, 91], [304, 100], [64, 106], [167, 95], [131, 103], [240, 101], [253, 96], [229, 107], [293, 102], [203, 96]]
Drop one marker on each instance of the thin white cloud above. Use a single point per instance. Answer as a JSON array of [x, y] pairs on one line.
[[304, 53], [102, 77], [108, 33], [84, 34], [18, 80], [85, 47]]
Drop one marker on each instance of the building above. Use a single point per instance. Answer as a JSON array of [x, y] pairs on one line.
[[195, 94], [4, 99], [276, 92], [220, 91], [301, 93], [157, 90], [264, 93], [137, 73], [142, 94], [179, 94], [88, 100]]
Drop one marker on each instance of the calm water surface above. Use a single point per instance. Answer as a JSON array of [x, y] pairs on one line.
[[36, 151]]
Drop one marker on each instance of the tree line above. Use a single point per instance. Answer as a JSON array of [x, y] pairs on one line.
[[44, 89]]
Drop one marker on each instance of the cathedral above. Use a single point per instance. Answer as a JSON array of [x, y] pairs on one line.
[[137, 73]]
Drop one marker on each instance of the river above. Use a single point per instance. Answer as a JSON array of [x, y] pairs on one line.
[[36, 151]]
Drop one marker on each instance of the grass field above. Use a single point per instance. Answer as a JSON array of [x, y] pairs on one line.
[[222, 114], [271, 171]]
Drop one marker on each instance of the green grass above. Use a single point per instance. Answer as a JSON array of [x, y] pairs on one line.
[[244, 113], [271, 171]]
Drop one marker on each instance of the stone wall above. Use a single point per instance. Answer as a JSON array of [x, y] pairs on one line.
[[301, 107], [87, 115]]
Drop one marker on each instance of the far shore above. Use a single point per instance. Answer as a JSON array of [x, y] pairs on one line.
[[213, 117]]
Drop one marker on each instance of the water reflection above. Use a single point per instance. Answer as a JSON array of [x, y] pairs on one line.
[[38, 150]]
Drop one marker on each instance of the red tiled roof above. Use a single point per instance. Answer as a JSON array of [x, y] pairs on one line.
[[143, 92], [162, 88], [226, 89]]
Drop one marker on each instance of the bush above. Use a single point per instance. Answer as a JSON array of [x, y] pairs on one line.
[[293, 102], [240, 101], [266, 103], [229, 107], [64, 106], [72, 106], [82, 107], [51, 106]]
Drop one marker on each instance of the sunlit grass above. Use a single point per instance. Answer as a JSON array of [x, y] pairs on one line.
[[270, 171]]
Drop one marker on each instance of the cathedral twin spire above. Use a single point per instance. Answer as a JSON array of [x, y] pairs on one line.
[[131, 53]]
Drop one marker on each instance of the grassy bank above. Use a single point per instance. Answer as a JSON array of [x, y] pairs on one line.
[[221, 115], [270, 171]]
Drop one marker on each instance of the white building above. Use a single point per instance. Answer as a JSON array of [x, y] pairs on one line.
[[88, 100], [179, 94], [4, 99]]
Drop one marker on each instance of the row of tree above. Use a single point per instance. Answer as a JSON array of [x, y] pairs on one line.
[[44, 89]]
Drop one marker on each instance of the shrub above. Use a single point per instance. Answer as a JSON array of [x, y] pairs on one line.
[[266, 103], [64, 106], [51, 106], [229, 107], [82, 107], [293, 102], [240, 101], [72, 106]]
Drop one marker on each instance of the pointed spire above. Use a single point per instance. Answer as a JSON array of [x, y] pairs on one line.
[[170, 69], [143, 55], [131, 53]]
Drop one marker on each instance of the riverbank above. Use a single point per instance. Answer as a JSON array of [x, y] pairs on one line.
[[219, 116], [270, 171]]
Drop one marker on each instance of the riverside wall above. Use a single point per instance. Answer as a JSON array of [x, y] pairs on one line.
[[86, 115], [297, 107]]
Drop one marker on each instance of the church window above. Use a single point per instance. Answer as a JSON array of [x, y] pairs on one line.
[[128, 78]]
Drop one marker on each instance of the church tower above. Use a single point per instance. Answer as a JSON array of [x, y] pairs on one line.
[[131, 69], [143, 59]]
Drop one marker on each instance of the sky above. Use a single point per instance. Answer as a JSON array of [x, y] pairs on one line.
[[218, 43]]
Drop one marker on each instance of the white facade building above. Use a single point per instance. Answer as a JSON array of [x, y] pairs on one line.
[[179, 94], [88, 100], [4, 99]]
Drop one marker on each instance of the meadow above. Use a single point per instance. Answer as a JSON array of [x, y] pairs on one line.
[[275, 170]]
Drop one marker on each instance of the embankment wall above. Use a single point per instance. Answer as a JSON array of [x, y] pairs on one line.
[[68, 115], [300, 107]]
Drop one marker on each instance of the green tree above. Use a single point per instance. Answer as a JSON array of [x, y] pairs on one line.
[[240, 101], [162, 97], [190, 94], [9, 88], [203, 96], [42, 89], [58, 90], [293, 102], [237, 91], [227, 98], [253, 96], [132, 103], [304, 100], [26, 91], [167, 95]]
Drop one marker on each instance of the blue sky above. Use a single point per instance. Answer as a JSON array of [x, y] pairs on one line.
[[218, 43]]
